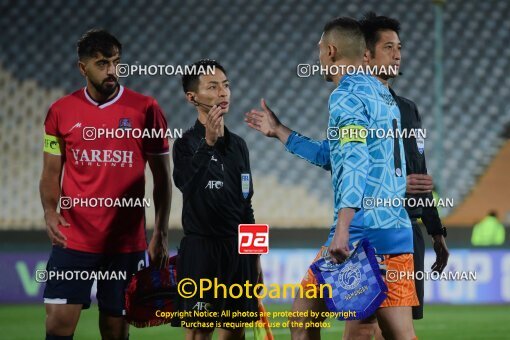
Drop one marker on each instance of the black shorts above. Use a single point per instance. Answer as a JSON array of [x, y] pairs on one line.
[[76, 275], [207, 258]]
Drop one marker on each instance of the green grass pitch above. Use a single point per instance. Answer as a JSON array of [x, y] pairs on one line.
[[440, 322]]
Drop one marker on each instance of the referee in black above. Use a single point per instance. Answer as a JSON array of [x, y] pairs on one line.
[[212, 170], [383, 45], [383, 49]]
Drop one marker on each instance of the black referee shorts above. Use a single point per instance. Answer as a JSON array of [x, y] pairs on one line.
[[208, 258]]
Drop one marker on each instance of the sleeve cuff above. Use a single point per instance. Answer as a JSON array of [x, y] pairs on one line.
[[290, 140]]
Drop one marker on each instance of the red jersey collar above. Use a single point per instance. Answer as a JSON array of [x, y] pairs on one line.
[[108, 103]]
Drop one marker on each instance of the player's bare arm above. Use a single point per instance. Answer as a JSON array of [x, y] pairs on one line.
[[339, 247], [49, 188], [158, 246], [266, 122]]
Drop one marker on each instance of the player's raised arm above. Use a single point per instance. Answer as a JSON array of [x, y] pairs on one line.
[[158, 247], [313, 151], [266, 122]]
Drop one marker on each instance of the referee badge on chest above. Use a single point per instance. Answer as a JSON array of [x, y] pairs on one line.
[[245, 184], [420, 142]]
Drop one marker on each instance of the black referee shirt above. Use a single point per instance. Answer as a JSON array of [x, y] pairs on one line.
[[215, 182], [415, 163]]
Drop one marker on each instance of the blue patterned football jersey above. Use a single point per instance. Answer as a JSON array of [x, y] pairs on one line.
[[368, 169], [313, 151]]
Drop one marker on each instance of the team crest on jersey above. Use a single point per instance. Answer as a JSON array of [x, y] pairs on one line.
[[124, 123], [245, 184]]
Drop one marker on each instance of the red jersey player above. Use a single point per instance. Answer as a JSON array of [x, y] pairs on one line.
[[99, 182]]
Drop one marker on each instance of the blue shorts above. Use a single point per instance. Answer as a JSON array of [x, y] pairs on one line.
[[71, 273]]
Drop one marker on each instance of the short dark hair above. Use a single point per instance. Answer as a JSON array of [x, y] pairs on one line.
[[351, 33], [345, 23], [190, 81], [372, 24], [95, 41]]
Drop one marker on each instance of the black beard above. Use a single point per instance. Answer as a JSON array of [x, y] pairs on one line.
[[387, 76], [105, 91]]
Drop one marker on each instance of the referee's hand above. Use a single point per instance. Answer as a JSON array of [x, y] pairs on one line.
[[53, 221], [213, 124], [419, 184], [442, 253]]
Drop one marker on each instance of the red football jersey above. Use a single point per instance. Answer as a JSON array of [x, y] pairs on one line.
[[105, 167]]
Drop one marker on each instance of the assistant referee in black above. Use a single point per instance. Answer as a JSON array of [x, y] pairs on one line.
[[212, 170]]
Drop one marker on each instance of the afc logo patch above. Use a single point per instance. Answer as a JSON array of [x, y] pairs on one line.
[[202, 306]]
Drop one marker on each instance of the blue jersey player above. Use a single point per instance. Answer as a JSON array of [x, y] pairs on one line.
[[364, 168]]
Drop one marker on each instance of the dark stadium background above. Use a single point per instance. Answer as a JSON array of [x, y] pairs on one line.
[[455, 67]]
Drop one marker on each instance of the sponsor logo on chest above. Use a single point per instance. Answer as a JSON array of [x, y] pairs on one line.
[[121, 158]]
